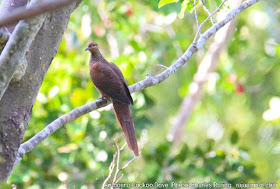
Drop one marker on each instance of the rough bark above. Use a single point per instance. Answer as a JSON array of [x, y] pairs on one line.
[[9, 6], [12, 58], [17, 102]]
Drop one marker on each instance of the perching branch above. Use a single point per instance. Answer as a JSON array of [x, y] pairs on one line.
[[59, 122], [28, 12], [149, 81], [13, 54]]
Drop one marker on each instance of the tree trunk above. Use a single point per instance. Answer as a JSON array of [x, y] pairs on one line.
[[17, 102]]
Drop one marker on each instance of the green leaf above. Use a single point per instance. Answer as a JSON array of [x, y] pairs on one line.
[[185, 5], [182, 155], [218, 2], [165, 2], [190, 7], [220, 153], [5, 186], [234, 137], [277, 49], [207, 4]]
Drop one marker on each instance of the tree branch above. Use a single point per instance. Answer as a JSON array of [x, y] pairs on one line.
[[118, 169], [208, 11], [196, 14], [111, 169], [149, 81], [59, 122], [28, 12], [15, 49], [210, 16], [8, 6], [118, 161]]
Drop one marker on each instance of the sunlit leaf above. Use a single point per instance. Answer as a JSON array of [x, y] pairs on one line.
[[186, 5], [220, 152], [190, 7], [79, 97], [165, 2], [218, 2], [207, 4], [5, 186], [277, 49]]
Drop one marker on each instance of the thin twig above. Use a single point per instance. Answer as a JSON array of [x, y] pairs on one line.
[[111, 169], [129, 162], [196, 14], [218, 9], [208, 11], [161, 65], [123, 146], [118, 161], [126, 165], [119, 178], [117, 164]]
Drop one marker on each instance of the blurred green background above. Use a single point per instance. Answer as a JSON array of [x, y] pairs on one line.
[[233, 133]]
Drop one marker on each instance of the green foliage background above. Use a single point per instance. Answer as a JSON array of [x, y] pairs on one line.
[[244, 146]]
